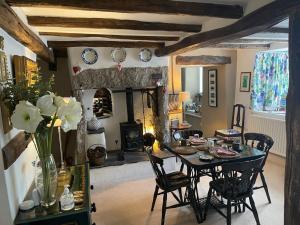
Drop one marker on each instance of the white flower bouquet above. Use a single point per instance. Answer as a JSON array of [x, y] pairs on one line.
[[35, 110]]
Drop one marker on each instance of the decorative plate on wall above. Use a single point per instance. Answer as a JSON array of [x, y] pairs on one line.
[[118, 55], [89, 56], [145, 55]]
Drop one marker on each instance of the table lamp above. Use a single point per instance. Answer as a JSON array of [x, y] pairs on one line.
[[183, 97]]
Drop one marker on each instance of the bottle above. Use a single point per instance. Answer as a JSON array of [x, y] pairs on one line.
[[35, 197], [67, 199]]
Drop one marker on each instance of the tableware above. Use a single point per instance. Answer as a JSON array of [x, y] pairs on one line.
[[206, 157], [236, 146], [89, 56], [185, 150], [145, 55], [183, 142], [118, 55], [197, 141], [223, 153]]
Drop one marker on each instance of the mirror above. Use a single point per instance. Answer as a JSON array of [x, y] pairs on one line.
[[192, 82]]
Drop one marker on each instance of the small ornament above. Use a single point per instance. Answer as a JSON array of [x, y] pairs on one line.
[[67, 199], [35, 197], [119, 67], [76, 69]]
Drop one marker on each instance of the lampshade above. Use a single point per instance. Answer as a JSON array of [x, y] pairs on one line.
[[184, 96]]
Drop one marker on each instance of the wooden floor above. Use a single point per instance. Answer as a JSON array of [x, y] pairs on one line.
[[123, 196]]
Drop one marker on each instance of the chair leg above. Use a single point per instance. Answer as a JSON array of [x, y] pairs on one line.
[[154, 197], [254, 210], [228, 212], [164, 208], [181, 167], [207, 204], [265, 186], [180, 195]]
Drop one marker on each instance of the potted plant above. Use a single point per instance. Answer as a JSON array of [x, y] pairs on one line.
[[35, 109]]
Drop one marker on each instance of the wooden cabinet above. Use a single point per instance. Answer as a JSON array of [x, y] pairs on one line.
[[79, 180]]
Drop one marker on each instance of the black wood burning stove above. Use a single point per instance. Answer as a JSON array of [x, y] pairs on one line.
[[131, 131]]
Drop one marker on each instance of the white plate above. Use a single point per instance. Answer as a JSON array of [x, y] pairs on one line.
[[118, 55], [145, 55], [89, 56]]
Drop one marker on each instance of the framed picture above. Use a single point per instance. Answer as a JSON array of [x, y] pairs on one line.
[[25, 69], [1, 43], [212, 88], [245, 81], [3, 67]]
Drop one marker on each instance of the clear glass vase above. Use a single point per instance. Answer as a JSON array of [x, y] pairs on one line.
[[46, 180]]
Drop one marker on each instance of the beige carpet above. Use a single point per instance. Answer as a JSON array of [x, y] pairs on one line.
[[123, 196]]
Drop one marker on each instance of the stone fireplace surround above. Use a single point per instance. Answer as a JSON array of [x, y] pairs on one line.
[[87, 81]]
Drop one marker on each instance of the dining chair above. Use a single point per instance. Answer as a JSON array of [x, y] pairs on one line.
[[169, 183], [264, 143], [235, 186], [237, 123]]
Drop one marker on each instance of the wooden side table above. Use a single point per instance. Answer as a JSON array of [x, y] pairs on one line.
[[79, 180]]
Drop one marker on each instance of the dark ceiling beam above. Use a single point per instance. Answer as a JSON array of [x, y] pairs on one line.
[[141, 6], [11, 23], [110, 36], [99, 23], [241, 46], [115, 44], [257, 21], [280, 30], [255, 41], [202, 60]]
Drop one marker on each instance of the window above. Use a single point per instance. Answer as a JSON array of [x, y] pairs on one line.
[[270, 82]]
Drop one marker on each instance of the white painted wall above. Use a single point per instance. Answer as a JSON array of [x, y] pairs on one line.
[[16, 180], [112, 124]]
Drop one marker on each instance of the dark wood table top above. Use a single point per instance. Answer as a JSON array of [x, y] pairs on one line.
[[193, 160]]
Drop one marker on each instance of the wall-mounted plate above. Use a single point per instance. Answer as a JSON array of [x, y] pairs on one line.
[[89, 56], [145, 55], [118, 55]]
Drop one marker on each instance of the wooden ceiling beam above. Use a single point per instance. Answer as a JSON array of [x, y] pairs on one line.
[[115, 44], [110, 36], [255, 41], [99, 23], [241, 46], [202, 60], [280, 30], [257, 21], [12, 24], [141, 6]]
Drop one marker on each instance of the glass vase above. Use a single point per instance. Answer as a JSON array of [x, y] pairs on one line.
[[46, 180]]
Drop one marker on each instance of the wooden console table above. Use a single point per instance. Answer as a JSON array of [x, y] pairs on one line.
[[78, 179]]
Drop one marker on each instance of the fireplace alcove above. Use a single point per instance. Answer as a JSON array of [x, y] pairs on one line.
[[85, 84]]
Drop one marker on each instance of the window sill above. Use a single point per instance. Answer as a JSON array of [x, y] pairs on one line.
[[269, 115]]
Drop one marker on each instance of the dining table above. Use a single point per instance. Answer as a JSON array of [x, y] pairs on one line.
[[197, 167]]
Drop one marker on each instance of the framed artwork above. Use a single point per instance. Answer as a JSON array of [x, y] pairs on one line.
[[3, 67], [25, 69], [212, 88], [1, 43], [245, 81]]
